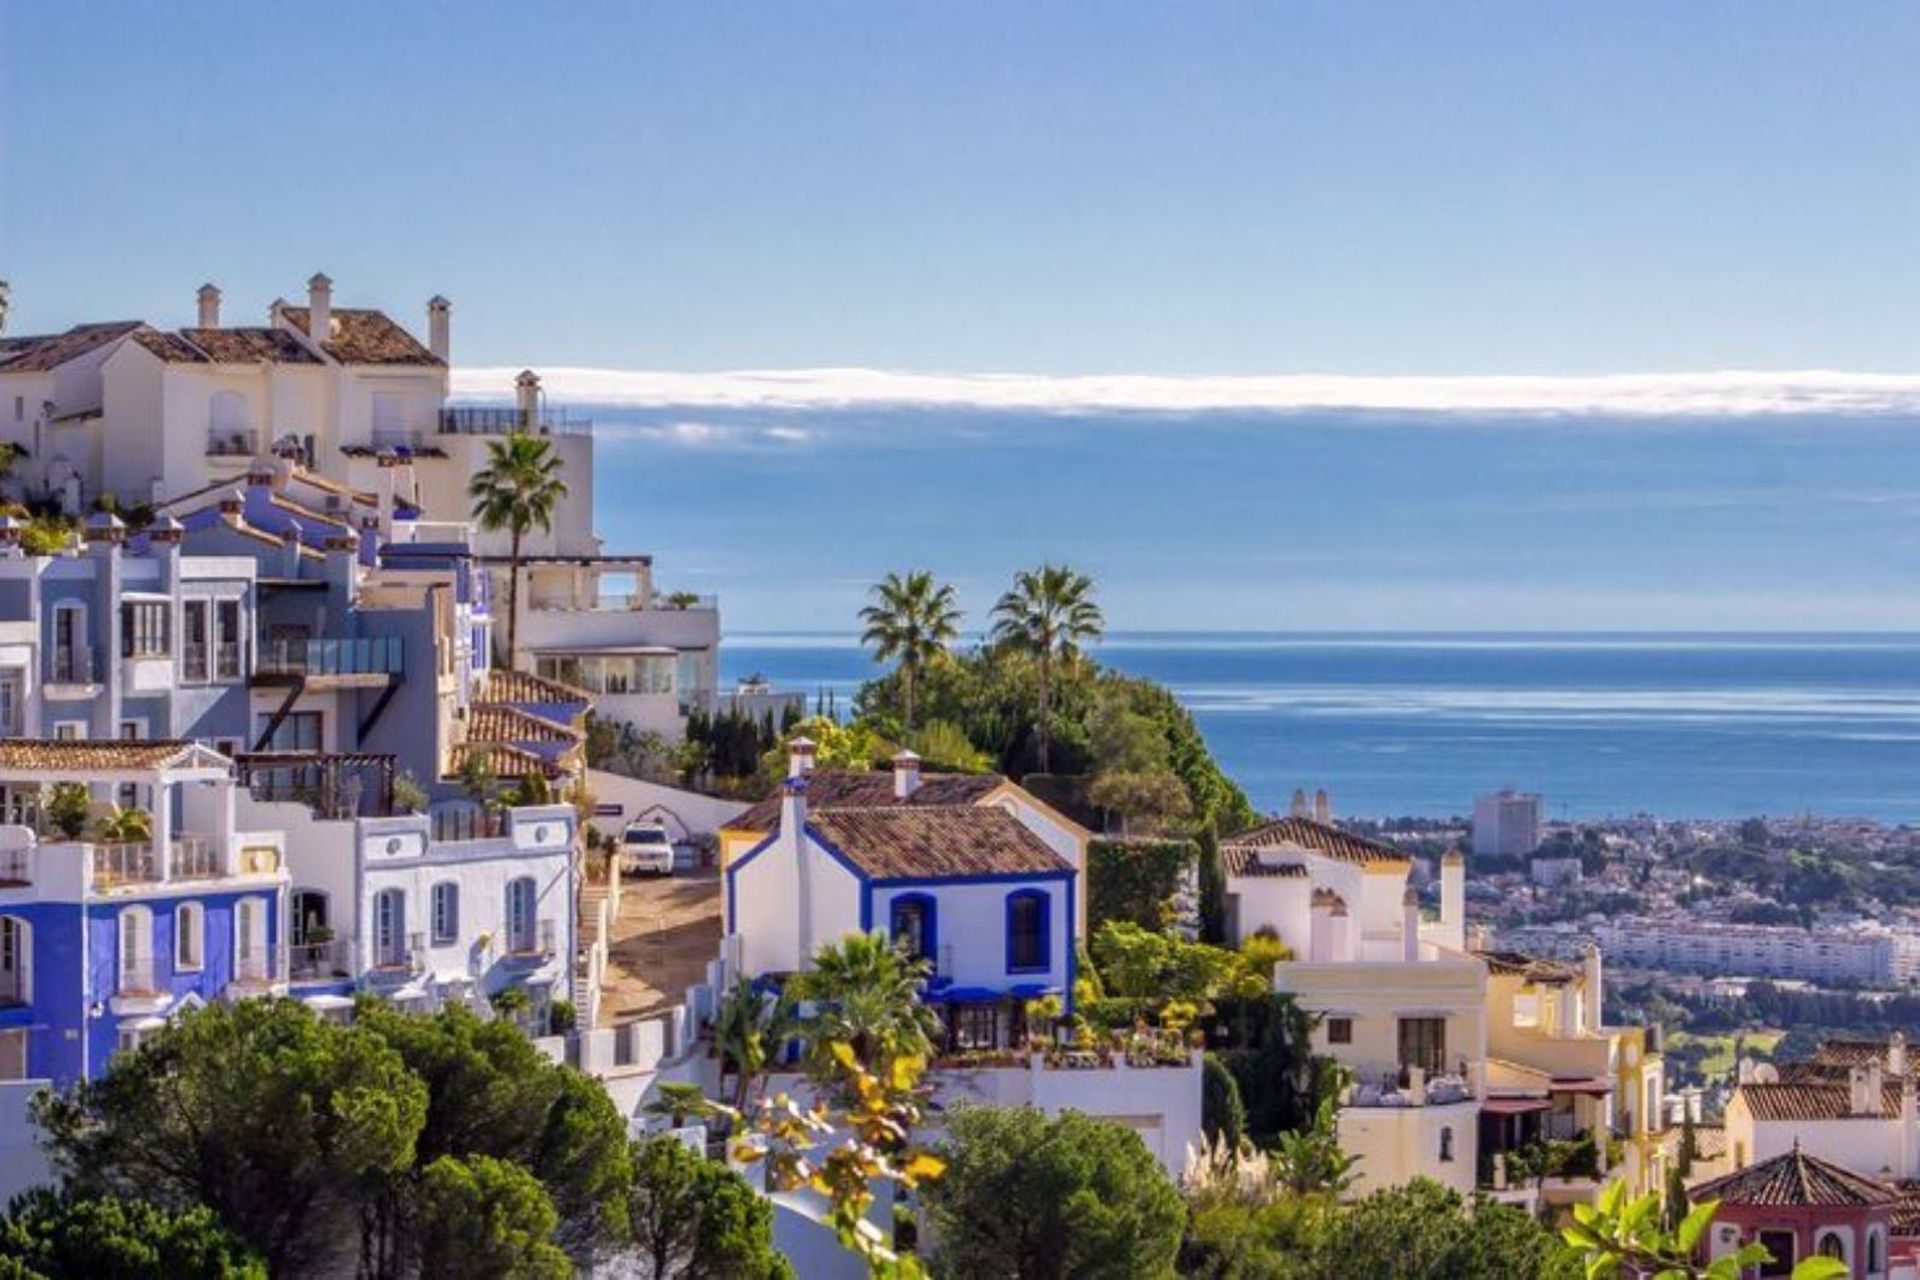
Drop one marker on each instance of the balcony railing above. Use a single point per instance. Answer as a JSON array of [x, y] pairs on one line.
[[125, 863], [451, 825], [360, 655], [501, 421], [534, 944], [394, 958], [255, 966], [319, 961], [232, 442], [136, 975], [75, 664], [396, 438], [195, 858]]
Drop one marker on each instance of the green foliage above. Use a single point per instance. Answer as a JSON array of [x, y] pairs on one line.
[[561, 1017], [1309, 1161], [1136, 881], [70, 1237], [751, 1030], [1622, 1237], [695, 1219], [476, 777], [487, 1219], [854, 746], [126, 826], [1024, 1195], [1140, 963], [1048, 616], [1281, 1084], [911, 621], [275, 1120], [68, 808], [1212, 875], [1234, 1238], [48, 535], [944, 746], [868, 992], [677, 1102], [518, 491], [408, 795], [1223, 1117], [1423, 1231], [732, 744]]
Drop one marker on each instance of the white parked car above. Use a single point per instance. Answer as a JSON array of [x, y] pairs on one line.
[[645, 846]]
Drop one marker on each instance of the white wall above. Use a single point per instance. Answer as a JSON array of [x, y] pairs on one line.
[[686, 813], [971, 924], [1397, 1144]]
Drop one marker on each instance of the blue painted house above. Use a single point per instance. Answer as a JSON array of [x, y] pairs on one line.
[[969, 889], [103, 940]]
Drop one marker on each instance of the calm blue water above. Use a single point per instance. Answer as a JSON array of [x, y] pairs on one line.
[[1674, 725]]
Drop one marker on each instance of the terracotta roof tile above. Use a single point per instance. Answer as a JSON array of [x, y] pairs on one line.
[[50, 351], [1905, 1219], [365, 337], [45, 755], [1795, 1178], [918, 843], [525, 687], [502, 722], [170, 347], [1515, 964], [1810, 1101], [829, 789], [1315, 837], [1243, 861], [502, 761], [249, 346]]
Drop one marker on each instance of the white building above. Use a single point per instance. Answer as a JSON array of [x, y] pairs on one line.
[[1506, 824], [149, 414], [1684, 944]]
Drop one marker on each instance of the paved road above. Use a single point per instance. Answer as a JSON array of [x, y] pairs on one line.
[[669, 928]]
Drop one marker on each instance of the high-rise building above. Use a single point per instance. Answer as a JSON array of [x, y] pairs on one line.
[[1506, 823]]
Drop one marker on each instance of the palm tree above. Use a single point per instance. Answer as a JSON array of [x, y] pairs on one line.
[[517, 491], [912, 620], [868, 992], [1049, 614], [751, 1031], [676, 1102]]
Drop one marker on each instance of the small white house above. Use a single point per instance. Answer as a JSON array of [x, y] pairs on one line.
[[970, 889]]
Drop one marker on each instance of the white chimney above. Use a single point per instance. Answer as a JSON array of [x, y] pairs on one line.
[[906, 775], [1322, 807], [439, 326], [800, 757], [1453, 900], [1299, 809], [1410, 926], [1592, 987], [209, 305], [320, 307], [1896, 1054], [526, 389], [1857, 1091]]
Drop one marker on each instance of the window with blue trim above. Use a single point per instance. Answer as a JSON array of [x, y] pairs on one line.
[[914, 925], [1028, 930]]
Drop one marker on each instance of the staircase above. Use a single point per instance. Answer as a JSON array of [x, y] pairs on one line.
[[590, 953]]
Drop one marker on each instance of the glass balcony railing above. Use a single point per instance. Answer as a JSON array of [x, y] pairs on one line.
[[360, 655], [481, 421], [74, 664]]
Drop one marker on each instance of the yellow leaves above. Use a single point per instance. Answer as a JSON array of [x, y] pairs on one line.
[[921, 1168]]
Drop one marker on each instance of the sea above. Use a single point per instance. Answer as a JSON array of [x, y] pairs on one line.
[[1683, 725]]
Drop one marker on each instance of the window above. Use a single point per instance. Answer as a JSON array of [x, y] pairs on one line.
[[10, 702], [1027, 929], [520, 908], [70, 730], [16, 961], [1446, 1144], [390, 929], [228, 644], [1423, 1044], [976, 1026], [446, 913], [143, 629], [250, 939], [72, 660], [1339, 1030], [227, 411], [1874, 1263], [136, 951], [1832, 1246], [913, 925], [194, 658], [189, 936], [298, 731]]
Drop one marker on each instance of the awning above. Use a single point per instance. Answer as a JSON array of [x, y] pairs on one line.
[[1032, 990], [964, 995], [1514, 1106], [1580, 1084]]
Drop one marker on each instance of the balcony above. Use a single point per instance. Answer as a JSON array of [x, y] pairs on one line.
[[117, 864], [396, 961], [136, 976], [75, 665], [233, 442], [397, 438], [454, 825], [531, 946], [253, 968], [357, 656], [319, 961], [200, 662], [195, 858], [502, 421]]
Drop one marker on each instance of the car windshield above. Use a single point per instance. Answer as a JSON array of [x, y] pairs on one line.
[[646, 835]]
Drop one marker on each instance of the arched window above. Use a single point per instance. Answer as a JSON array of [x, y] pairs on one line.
[[1446, 1144], [1832, 1245], [390, 929], [136, 951], [915, 925], [1029, 929], [446, 913], [1874, 1262], [189, 937], [520, 916], [16, 961]]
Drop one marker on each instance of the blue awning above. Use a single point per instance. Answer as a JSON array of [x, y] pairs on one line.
[[965, 995], [1033, 990]]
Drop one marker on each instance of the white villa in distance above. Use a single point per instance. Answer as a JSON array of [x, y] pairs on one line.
[[149, 414]]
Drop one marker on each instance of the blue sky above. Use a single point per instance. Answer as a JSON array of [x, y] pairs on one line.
[[1053, 190]]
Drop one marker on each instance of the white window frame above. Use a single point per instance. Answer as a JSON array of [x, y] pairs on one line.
[[16, 954], [523, 935], [70, 730], [389, 928], [135, 933], [245, 910], [189, 922], [444, 899]]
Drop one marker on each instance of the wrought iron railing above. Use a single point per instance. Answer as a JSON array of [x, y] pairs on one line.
[[74, 664], [484, 421], [318, 961]]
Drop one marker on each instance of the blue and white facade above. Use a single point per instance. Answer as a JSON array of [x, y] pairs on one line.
[[969, 889], [102, 941]]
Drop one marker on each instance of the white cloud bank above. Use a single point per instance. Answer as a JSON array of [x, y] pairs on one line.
[[1722, 394]]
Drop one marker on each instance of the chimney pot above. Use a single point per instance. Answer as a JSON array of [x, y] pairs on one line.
[[209, 305], [526, 389], [906, 775], [320, 307], [439, 325], [1299, 809], [800, 758], [1322, 807]]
